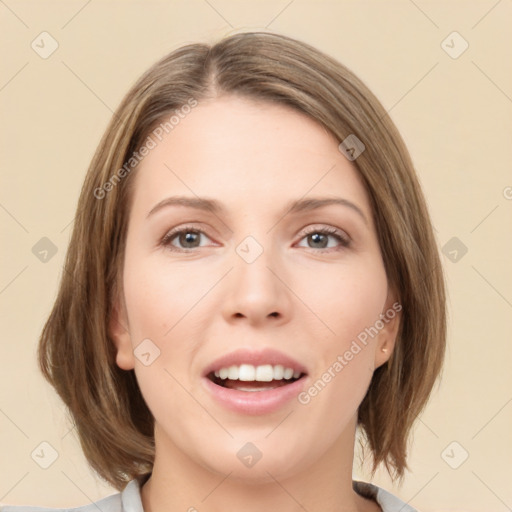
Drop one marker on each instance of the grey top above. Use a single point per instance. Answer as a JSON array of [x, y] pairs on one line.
[[129, 500]]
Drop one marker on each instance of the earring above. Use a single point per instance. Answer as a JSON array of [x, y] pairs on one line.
[[384, 350]]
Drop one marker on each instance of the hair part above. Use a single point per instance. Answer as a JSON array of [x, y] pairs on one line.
[[76, 353]]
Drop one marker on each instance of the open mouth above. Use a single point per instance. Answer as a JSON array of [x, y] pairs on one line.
[[255, 383], [251, 378]]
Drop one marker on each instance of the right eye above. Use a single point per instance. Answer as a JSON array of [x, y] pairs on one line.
[[183, 239]]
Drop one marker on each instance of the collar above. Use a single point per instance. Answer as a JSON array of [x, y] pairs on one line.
[[132, 502]]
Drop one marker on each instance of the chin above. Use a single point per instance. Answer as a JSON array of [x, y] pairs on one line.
[[255, 462]]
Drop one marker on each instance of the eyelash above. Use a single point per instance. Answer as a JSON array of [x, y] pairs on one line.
[[343, 240]]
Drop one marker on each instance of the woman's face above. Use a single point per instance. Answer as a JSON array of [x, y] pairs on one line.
[[255, 271]]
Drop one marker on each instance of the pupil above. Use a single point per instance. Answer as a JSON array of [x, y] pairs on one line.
[[189, 238], [319, 237]]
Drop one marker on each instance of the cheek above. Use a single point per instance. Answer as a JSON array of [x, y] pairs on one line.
[[346, 299], [157, 306], [161, 304], [349, 302], [158, 297]]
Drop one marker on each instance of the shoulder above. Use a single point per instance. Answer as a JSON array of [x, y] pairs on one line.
[[387, 501], [128, 500]]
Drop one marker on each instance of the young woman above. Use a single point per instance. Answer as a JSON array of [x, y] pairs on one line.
[[252, 279]]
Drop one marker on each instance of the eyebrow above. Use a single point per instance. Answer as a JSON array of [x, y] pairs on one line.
[[296, 206]]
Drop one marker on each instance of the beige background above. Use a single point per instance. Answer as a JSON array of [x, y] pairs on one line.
[[454, 113]]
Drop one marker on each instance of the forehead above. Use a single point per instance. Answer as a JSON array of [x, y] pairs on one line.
[[244, 151]]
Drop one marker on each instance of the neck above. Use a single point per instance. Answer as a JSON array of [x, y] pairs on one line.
[[178, 482]]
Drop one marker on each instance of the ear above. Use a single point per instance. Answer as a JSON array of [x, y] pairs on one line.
[[120, 335], [388, 330]]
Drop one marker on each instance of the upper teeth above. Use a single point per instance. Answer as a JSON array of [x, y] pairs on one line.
[[263, 373]]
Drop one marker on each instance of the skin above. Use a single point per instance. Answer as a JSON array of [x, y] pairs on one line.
[[305, 300]]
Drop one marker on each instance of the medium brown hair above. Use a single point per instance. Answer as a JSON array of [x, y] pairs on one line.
[[76, 354]]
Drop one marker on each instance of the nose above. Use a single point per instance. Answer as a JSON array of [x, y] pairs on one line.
[[256, 292]]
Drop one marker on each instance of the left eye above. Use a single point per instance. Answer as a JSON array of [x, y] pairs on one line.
[[325, 238], [187, 238]]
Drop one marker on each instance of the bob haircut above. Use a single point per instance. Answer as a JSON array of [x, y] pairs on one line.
[[77, 355]]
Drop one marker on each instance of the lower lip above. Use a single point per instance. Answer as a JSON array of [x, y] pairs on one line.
[[255, 402]]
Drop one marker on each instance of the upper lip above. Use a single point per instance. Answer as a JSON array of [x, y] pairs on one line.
[[256, 358]]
